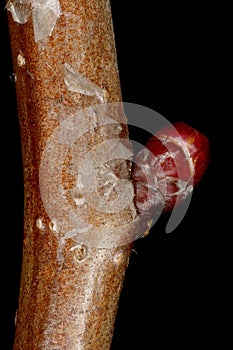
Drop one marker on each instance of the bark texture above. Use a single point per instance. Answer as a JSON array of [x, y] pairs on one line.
[[68, 302]]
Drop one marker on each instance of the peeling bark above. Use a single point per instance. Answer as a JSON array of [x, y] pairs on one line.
[[69, 289]]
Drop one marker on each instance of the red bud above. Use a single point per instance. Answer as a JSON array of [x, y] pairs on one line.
[[166, 170]]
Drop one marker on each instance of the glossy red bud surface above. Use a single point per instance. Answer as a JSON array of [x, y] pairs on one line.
[[166, 170]]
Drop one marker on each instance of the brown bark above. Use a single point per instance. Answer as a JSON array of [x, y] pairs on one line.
[[68, 297]]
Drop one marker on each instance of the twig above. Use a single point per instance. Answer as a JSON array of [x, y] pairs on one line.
[[64, 61]]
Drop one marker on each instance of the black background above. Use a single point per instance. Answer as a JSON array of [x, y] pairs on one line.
[[175, 290]]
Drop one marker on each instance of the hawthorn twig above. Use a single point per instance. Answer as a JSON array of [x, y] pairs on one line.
[[64, 61]]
